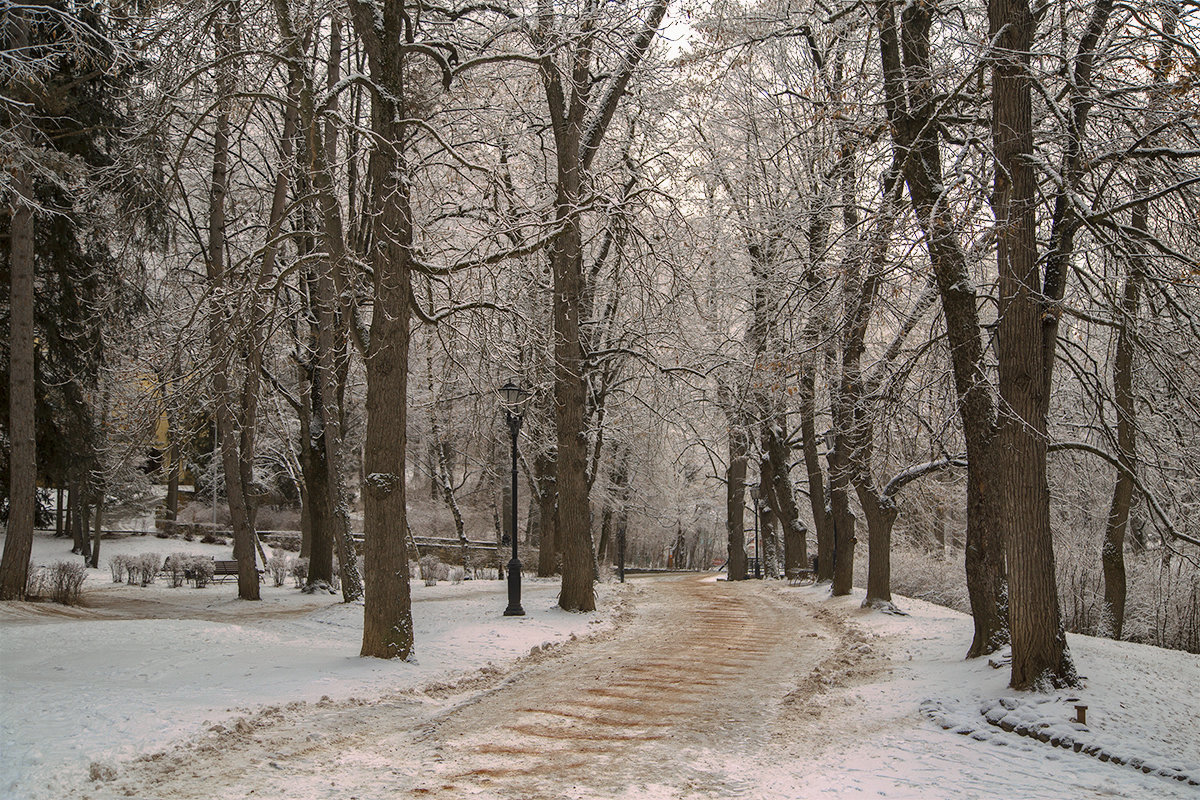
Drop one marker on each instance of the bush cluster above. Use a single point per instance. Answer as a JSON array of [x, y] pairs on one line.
[[182, 567], [61, 582]]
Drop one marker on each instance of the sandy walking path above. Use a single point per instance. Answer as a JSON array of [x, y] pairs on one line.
[[679, 700]]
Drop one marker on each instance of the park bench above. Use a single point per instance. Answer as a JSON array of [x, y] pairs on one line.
[[224, 569]]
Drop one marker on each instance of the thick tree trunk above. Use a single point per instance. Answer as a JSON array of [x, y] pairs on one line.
[[1040, 658], [22, 486], [320, 513], [881, 516], [387, 610], [573, 535]]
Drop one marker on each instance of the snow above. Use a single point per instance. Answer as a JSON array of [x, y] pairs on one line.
[[921, 728], [92, 685], [892, 709]]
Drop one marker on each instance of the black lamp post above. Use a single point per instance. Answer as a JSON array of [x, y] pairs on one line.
[[514, 396], [757, 552]]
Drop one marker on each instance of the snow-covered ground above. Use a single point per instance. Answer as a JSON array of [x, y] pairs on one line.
[[892, 711], [929, 724], [100, 684]]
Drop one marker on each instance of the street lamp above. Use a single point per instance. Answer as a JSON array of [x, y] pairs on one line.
[[514, 398], [757, 552]]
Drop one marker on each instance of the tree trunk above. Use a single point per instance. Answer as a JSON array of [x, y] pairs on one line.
[[735, 500], [911, 103], [795, 532], [171, 513], [1040, 658], [572, 531], [1113, 552], [387, 610], [768, 534], [93, 557], [76, 510], [812, 466], [881, 516], [320, 513], [22, 486], [547, 497], [844, 522]]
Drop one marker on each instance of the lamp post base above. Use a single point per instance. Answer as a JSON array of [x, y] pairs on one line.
[[514, 590]]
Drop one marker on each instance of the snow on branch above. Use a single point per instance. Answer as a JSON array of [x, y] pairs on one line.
[[919, 471], [1150, 499]]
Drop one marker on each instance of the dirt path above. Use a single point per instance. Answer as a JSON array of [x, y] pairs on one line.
[[678, 701]]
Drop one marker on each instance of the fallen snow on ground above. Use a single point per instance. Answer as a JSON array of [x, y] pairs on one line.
[[95, 685], [933, 725], [895, 712]]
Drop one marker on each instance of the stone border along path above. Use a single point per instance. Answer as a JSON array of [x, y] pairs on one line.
[[1012, 715]]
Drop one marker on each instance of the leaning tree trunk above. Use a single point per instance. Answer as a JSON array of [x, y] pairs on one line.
[[1040, 657], [911, 103], [1113, 552], [218, 333]]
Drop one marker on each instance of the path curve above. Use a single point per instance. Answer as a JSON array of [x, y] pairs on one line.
[[685, 694]]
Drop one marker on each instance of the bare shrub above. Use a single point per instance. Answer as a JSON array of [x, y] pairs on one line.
[[202, 570], [118, 565], [35, 581], [455, 574], [148, 565], [1164, 602], [299, 571], [178, 566], [433, 570], [66, 581], [278, 566]]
